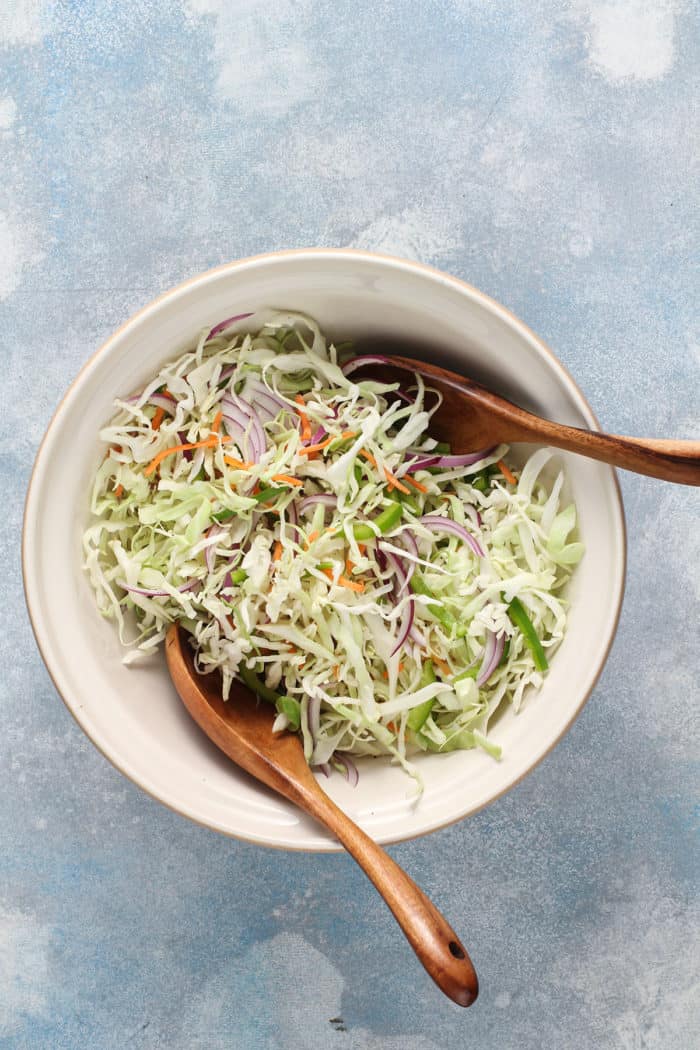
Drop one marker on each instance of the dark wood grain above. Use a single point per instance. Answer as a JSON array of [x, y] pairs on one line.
[[242, 728], [472, 418]]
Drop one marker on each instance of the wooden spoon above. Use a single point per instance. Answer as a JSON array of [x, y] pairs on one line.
[[242, 728], [472, 418]]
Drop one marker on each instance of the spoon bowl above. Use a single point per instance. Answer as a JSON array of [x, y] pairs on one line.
[[472, 417], [242, 728]]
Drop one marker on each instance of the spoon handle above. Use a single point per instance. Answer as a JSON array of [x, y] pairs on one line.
[[668, 460], [432, 938]]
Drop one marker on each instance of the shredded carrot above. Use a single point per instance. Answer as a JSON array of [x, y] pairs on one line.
[[217, 422], [391, 725], [237, 463], [166, 393], [347, 434], [395, 483], [305, 424], [277, 552], [119, 491], [336, 672], [362, 547], [349, 566], [351, 585], [507, 474], [328, 573], [209, 442], [368, 456], [414, 483], [308, 450], [444, 667], [311, 537], [287, 479], [256, 489], [158, 417]]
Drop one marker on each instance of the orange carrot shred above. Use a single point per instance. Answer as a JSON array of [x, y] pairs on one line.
[[209, 442], [311, 537], [444, 667], [507, 474], [336, 672], [395, 483], [414, 483], [349, 566], [277, 552], [119, 491], [328, 573], [368, 456], [238, 464], [217, 422], [347, 434], [308, 450], [158, 417], [362, 547], [287, 479], [351, 585], [305, 424]]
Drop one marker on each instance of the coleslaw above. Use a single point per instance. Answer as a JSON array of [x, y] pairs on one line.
[[297, 518]]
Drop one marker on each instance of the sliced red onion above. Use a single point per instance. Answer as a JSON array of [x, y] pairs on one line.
[[418, 637], [438, 524], [449, 462], [210, 551], [421, 464], [188, 453], [368, 359], [473, 514], [411, 568], [168, 404], [158, 594], [265, 392], [228, 582], [222, 325], [318, 436], [238, 412], [226, 373], [324, 498], [313, 717], [292, 516], [406, 626], [349, 768], [395, 563], [493, 651], [324, 767]]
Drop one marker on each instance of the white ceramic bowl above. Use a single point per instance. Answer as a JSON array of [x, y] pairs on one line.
[[134, 716]]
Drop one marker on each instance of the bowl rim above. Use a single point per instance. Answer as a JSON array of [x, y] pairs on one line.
[[395, 262]]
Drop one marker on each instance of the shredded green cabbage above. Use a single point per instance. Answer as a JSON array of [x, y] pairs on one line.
[[305, 602]]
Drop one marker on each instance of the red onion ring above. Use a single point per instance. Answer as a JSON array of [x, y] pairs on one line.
[[438, 524], [349, 768], [449, 462], [225, 324], [493, 651]]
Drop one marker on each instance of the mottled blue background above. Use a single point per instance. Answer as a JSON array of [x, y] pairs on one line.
[[544, 152]]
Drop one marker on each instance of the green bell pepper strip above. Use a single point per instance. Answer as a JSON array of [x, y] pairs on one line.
[[522, 621], [385, 522], [419, 715], [445, 617]]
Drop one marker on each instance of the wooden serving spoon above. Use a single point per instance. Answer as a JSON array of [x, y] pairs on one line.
[[242, 728], [472, 417]]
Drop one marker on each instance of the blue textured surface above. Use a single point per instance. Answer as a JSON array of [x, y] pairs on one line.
[[544, 152]]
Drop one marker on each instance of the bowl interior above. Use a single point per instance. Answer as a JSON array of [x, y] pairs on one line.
[[133, 714]]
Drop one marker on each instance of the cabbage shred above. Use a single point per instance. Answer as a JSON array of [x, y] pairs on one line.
[[281, 592]]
